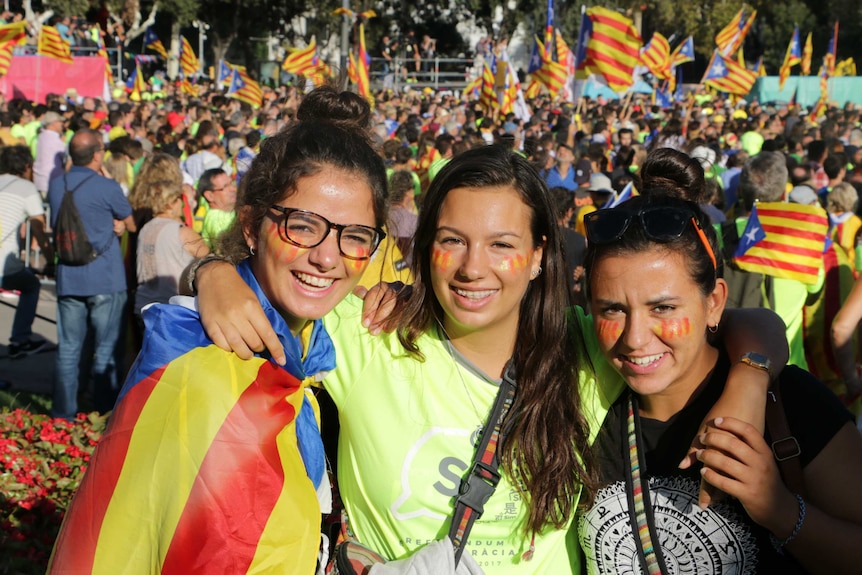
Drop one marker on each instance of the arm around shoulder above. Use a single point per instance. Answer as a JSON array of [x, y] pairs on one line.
[[193, 243]]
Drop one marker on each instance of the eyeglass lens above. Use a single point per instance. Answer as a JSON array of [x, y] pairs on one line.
[[308, 230]]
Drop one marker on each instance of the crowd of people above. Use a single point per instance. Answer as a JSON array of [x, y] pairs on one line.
[[498, 224]]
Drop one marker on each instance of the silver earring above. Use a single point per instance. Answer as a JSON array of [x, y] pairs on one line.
[[712, 328], [251, 250], [536, 273]]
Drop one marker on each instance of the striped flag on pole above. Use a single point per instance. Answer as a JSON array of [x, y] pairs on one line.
[[613, 49], [188, 61], [656, 56], [52, 45], [726, 75], [14, 32], [152, 42], [731, 37], [6, 56], [784, 240], [807, 52], [302, 61]]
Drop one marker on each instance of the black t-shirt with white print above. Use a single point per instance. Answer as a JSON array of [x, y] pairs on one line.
[[721, 539]]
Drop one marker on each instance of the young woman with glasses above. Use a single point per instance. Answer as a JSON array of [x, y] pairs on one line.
[[211, 464], [490, 291], [656, 292]]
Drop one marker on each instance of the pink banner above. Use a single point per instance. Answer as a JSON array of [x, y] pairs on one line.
[[33, 77]]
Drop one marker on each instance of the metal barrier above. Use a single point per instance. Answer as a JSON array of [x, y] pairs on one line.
[[437, 73]]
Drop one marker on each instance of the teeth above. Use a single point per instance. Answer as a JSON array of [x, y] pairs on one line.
[[646, 360], [314, 281], [474, 294]]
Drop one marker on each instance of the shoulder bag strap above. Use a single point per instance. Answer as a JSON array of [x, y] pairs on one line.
[[484, 475], [784, 445]]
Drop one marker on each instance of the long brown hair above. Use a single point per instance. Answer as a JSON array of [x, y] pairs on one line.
[[547, 452]]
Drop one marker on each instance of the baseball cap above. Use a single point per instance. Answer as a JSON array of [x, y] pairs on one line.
[[601, 183]]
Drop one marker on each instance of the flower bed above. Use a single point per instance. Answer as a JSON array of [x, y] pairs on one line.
[[42, 460]]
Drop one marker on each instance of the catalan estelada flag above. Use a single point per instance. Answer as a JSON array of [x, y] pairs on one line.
[[136, 84], [807, 51], [792, 57], [302, 61], [244, 88], [550, 74], [152, 42], [188, 61], [613, 49], [52, 45], [726, 75], [656, 56], [784, 240], [210, 464], [730, 38], [363, 64]]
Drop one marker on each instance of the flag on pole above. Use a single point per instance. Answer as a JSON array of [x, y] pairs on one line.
[[244, 88], [626, 194], [683, 53], [473, 88], [552, 75], [831, 57], [759, 68], [6, 56], [488, 97], [726, 75], [152, 42], [807, 51], [302, 61], [225, 73], [52, 45], [784, 240], [656, 56], [550, 47], [363, 63], [100, 44], [188, 61], [613, 49], [822, 101], [730, 38], [846, 67], [188, 88], [136, 85], [792, 57]]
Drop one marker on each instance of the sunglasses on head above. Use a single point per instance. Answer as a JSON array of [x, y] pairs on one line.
[[659, 223]]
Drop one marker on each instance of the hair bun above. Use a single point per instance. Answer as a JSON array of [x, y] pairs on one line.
[[344, 109]]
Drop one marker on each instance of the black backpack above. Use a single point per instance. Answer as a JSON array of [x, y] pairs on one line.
[[71, 244]]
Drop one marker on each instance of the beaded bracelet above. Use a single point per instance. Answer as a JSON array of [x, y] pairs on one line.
[[193, 270], [780, 543]]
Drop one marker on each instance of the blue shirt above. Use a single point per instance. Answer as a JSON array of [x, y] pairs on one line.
[[554, 179], [99, 201]]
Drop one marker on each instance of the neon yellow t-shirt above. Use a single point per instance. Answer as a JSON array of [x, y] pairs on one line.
[[405, 443]]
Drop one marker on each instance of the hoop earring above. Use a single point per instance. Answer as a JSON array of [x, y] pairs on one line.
[[536, 273], [712, 328], [251, 250]]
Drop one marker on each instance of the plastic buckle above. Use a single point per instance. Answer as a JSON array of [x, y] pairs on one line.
[[786, 448], [479, 487]]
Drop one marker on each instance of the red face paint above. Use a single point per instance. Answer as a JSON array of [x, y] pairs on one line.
[[673, 328], [359, 265], [608, 332], [285, 252], [512, 264]]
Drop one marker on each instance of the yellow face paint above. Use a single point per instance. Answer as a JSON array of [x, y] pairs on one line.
[[358, 265], [512, 264], [441, 260], [673, 328], [609, 332]]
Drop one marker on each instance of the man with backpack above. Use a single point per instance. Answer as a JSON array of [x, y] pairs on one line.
[[91, 289]]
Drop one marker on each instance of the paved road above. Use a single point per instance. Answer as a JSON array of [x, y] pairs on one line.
[[34, 373]]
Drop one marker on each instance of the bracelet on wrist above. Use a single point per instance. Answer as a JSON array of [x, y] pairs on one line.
[[757, 361], [195, 267], [779, 544]]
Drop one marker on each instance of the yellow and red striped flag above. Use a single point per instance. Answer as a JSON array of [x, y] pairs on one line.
[[102, 52], [613, 49], [807, 51], [244, 88], [363, 62], [188, 88], [488, 97], [6, 56], [218, 478], [730, 38], [136, 85], [473, 88], [52, 45], [784, 240], [152, 42], [656, 56], [726, 75], [302, 61], [550, 74], [533, 89], [188, 61], [16, 32]]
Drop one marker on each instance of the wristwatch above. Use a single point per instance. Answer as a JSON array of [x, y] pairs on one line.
[[757, 361]]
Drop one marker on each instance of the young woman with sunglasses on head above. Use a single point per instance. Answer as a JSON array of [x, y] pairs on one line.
[[211, 464], [490, 291], [656, 292]]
